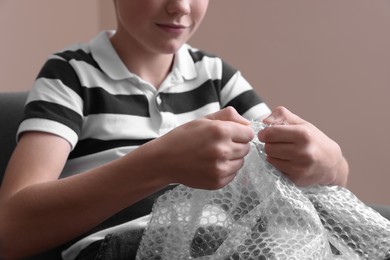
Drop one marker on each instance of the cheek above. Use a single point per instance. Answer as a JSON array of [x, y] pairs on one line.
[[199, 10], [128, 11]]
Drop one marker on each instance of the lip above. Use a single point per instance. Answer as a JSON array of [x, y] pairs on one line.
[[172, 28]]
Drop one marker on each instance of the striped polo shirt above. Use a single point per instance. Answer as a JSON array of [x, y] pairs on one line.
[[86, 95]]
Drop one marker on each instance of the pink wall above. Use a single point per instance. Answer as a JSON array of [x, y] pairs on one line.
[[32, 30], [328, 61]]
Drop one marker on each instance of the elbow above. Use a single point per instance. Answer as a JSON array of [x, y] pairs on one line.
[[3, 246], [6, 249], [10, 247], [6, 254]]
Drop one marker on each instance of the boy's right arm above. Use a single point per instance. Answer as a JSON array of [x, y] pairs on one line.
[[38, 211]]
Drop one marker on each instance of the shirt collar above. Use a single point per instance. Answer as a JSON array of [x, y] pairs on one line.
[[110, 62], [107, 58], [184, 63]]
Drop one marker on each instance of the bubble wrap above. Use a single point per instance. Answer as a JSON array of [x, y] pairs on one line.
[[262, 215]]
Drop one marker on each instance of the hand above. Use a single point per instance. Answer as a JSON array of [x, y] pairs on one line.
[[205, 153], [301, 151]]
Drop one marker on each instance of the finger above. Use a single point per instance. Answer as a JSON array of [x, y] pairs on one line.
[[295, 173], [279, 134], [236, 165], [281, 115], [228, 114], [232, 131], [239, 151], [242, 133], [227, 172], [280, 164], [284, 166], [282, 151]]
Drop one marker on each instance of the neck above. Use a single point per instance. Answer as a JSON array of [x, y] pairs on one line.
[[150, 66]]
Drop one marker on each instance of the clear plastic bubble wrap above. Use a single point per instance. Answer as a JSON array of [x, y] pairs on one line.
[[262, 215]]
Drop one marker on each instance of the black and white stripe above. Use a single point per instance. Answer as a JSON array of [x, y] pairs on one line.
[[77, 90]]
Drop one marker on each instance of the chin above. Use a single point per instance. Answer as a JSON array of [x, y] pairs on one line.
[[170, 48]]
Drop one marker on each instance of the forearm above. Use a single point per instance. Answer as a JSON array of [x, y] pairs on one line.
[[45, 215]]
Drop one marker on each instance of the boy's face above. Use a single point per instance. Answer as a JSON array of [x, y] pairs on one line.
[[158, 26]]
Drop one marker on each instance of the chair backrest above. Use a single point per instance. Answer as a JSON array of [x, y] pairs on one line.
[[11, 112]]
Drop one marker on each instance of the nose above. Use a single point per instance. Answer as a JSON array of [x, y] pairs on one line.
[[181, 7]]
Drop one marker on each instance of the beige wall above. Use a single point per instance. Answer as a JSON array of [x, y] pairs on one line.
[[328, 61], [31, 30]]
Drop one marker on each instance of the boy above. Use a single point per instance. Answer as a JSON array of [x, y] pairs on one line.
[[112, 122]]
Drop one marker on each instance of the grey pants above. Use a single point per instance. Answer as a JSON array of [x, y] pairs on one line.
[[114, 247]]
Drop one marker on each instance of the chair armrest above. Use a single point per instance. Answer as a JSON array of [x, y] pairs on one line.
[[384, 210]]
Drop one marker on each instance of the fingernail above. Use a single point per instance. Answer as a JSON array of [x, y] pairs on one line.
[[269, 119]]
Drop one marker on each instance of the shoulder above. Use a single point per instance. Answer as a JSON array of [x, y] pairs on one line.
[[68, 57], [75, 54], [82, 56]]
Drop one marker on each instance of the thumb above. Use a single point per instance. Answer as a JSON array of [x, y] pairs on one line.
[[228, 114]]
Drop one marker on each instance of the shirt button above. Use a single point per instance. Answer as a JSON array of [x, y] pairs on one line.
[[158, 100]]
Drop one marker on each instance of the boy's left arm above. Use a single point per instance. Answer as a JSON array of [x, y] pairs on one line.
[[301, 151]]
